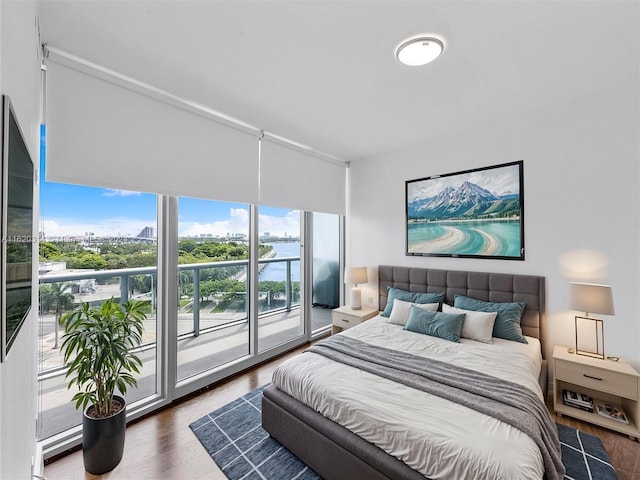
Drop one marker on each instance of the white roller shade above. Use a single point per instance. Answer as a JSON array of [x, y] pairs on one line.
[[102, 134], [290, 178]]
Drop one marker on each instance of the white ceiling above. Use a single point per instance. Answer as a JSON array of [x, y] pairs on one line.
[[323, 73]]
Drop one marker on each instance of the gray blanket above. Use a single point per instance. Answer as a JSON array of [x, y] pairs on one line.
[[506, 401]]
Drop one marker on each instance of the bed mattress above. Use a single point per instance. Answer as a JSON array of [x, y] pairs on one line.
[[437, 437]]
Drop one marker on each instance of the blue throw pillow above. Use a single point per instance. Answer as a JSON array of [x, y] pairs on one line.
[[507, 324], [413, 297], [435, 324]]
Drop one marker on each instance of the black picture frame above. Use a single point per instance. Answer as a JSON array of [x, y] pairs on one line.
[[476, 213]]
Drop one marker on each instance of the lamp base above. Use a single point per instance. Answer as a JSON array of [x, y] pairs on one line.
[[590, 354], [588, 326], [356, 299]]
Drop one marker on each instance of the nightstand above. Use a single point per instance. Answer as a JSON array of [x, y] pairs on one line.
[[603, 381], [344, 318]]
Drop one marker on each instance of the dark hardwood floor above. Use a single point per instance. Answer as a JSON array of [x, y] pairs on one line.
[[162, 446]]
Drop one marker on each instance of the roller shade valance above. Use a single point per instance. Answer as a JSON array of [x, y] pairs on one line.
[[291, 178], [103, 134]]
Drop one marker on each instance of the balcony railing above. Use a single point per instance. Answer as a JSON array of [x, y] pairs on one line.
[[98, 285], [202, 312]]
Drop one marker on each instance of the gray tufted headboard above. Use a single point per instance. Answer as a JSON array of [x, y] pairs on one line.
[[493, 287]]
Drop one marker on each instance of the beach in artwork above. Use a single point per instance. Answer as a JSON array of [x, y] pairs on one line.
[[491, 238]]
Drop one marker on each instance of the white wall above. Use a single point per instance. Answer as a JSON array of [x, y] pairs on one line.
[[20, 79], [582, 212]]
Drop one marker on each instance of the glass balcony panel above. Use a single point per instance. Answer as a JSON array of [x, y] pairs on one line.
[[281, 317], [69, 289], [326, 269]]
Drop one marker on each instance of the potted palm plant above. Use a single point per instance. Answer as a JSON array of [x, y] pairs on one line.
[[98, 346]]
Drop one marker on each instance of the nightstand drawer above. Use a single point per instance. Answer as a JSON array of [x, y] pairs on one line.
[[345, 321], [599, 379]]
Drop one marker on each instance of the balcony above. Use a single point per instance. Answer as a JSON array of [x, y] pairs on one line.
[[212, 324]]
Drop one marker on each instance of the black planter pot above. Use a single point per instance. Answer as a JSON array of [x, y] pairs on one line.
[[103, 440]]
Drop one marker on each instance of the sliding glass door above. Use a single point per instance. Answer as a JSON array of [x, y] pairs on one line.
[[213, 269]]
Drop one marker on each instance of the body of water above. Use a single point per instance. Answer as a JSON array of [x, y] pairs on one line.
[[277, 271], [495, 238]]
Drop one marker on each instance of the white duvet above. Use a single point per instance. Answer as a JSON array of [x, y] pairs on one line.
[[439, 438]]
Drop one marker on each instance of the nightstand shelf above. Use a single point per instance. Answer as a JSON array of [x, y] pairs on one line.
[[602, 380], [344, 318]]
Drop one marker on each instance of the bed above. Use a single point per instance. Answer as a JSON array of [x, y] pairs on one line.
[[346, 422]]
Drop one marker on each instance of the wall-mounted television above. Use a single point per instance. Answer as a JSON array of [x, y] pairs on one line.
[[17, 228]]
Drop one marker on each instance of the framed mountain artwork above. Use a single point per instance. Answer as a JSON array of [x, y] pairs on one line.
[[472, 214]]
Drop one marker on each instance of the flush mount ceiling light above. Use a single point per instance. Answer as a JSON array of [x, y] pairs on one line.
[[419, 50]]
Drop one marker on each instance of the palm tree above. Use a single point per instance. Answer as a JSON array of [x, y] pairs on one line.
[[56, 298]]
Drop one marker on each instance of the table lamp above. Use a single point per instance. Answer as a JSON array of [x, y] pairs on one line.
[[356, 275], [590, 298]]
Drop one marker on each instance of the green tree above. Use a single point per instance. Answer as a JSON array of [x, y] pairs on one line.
[[185, 282], [116, 261], [238, 252], [184, 258], [57, 297], [92, 261], [187, 245], [49, 251], [275, 289], [141, 259], [136, 284], [207, 289]]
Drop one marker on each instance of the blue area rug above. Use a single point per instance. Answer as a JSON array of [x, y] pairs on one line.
[[584, 456], [234, 438]]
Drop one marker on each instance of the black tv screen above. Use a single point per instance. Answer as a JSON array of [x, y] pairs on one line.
[[17, 227]]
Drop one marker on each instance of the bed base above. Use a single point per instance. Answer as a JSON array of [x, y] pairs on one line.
[[331, 450]]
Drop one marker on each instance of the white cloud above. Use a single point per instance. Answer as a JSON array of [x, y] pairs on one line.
[[107, 227], [288, 225], [238, 222], [110, 192]]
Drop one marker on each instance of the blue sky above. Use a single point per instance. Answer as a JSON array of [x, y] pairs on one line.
[[70, 210]]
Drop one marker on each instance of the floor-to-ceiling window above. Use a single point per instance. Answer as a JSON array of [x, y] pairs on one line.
[[279, 286], [95, 244], [228, 291], [213, 268]]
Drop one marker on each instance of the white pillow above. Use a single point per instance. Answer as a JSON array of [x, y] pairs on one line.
[[401, 309], [477, 325]]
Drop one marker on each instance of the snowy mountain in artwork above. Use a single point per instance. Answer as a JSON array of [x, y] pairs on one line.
[[468, 201]]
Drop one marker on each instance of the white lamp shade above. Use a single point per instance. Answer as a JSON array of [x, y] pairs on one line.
[[356, 275], [591, 298]]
